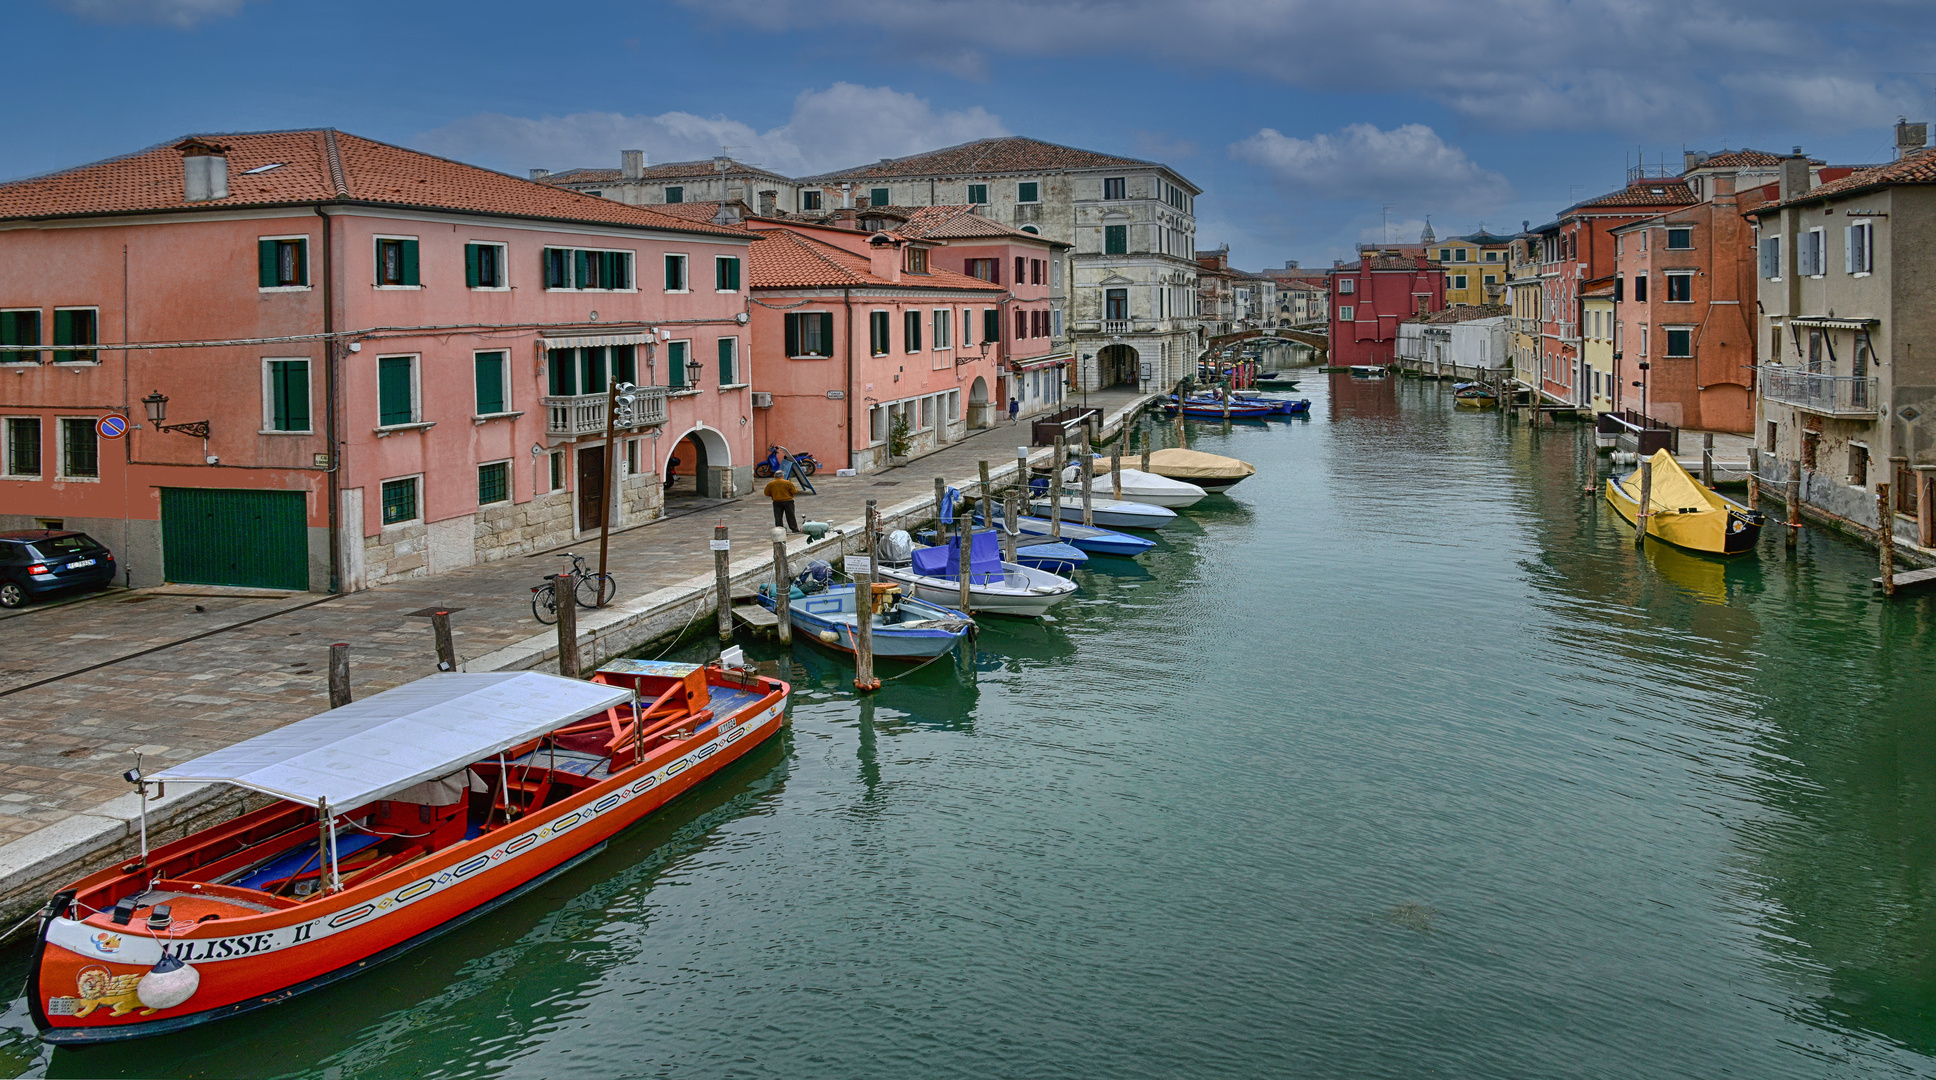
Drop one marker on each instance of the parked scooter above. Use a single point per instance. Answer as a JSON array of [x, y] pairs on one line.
[[776, 456]]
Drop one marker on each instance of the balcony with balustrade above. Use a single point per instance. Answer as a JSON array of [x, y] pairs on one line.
[[1827, 395], [572, 416]]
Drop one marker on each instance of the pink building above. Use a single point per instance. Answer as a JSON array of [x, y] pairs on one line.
[[1369, 300], [448, 330], [866, 346]]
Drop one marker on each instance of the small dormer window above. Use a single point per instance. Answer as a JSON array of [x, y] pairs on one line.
[[917, 260]]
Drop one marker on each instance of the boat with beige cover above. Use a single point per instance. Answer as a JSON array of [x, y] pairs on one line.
[[1207, 471]]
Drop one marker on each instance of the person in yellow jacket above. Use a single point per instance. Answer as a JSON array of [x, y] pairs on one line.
[[781, 491]]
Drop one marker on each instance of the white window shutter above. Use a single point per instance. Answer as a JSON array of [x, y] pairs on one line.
[[1848, 249]]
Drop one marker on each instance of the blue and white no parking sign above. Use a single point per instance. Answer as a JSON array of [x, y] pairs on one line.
[[111, 427]]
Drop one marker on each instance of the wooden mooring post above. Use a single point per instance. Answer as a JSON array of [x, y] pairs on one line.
[[446, 649], [561, 586], [1146, 454], [1008, 538], [723, 580], [1116, 472], [339, 675], [1794, 505], [987, 493], [782, 588], [864, 679], [1088, 482], [1707, 458], [940, 526], [967, 534], [1055, 488], [1646, 501], [1754, 479], [1886, 538]]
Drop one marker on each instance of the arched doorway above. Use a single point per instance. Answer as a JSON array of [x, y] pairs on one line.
[[1117, 365], [981, 412], [696, 464]]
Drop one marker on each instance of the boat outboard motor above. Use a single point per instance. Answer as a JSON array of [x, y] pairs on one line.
[[896, 548], [814, 578]]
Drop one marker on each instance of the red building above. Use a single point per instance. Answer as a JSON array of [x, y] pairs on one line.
[[1369, 300]]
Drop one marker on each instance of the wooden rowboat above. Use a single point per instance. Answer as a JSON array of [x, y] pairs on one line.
[[396, 818], [1685, 512]]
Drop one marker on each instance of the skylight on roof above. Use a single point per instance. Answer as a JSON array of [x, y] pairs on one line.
[[264, 168]]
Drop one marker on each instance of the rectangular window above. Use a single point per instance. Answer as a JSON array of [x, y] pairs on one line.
[[927, 413], [1858, 465], [1346, 313], [1680, 288], [1643, 339], [1680, 239], [286, 395], [943, 330], [810, 334], [985, 269], [1461, 255], [1810, 255], [967, 327], [484, 266], [877, 425], [1115, 304], [1020, 262], [1458, 281], [1021, 324], [494, 483], [400, 500], [1055, 322], [675, 195], [1115, 187], [557, 469], [493, 395], [726, 273], [1347, 286], [911, 331], [282, 262], [879, 197], [19, 327], [80, 448], [557, 268], [396, 382], [23, 446], [1771, 257], [1815, 351], [1028, 191], [675, 278], [729, 361], [632, 457], [878, 333], [1035, 271], [810, 200], [1640, 288], [1680, 341], [396, 262], [76, 326], [977, 194], [1115, 239], [917, 260], [1039, 323], [678, 354], [991, 324], [1858, 253]]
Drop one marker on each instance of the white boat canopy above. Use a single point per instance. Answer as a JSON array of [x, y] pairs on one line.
[[386, 742]]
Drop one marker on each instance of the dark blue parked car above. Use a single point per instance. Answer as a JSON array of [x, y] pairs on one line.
[[36, 562]]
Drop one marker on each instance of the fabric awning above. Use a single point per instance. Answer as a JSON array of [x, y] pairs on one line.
[[389, 741], [1836, 324], [593, 341]]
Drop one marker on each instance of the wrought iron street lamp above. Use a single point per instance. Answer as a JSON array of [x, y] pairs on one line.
[[693, 368], [157, 406]]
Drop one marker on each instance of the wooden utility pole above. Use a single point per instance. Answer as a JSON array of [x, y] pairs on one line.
[[446, 650], [1055, 487], [339, 675], [723, 580], [782, 588], [1646, 501], [864, 679], [567, 625], [1886, 538]]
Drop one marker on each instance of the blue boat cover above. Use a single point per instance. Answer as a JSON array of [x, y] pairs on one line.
[[949, 500], [984, 558]]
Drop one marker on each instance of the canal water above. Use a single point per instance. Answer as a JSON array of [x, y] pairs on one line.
[[1398, 762]]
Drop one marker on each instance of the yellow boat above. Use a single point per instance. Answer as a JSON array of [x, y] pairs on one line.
[[1685, 512]]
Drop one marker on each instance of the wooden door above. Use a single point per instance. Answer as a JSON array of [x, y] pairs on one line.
[[591, 487]]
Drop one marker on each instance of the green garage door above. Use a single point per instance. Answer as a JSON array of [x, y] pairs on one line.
[[217, 536]]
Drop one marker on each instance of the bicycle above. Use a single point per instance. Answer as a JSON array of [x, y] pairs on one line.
[[589, 589]]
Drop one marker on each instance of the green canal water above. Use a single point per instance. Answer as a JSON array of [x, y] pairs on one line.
[[1400, 762]]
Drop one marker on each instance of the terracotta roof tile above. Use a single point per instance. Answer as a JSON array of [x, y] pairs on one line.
[[1916, 167], [316, 166], [1467, 313], [1652, 192], [672, 170], [1741, 159], [958, 223], [784, 259], [984, 157]]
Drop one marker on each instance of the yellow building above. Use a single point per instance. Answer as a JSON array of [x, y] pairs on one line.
[[1475, 267], [1526, 296], [1596, 343]]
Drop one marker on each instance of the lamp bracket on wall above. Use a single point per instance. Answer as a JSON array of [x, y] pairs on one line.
[[198, 428]]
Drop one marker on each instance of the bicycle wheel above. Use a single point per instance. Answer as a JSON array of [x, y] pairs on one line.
[[544, 603], [589, 594]]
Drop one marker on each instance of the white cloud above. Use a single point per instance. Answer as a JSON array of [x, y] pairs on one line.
[[1408, 163], [1395, 232], [841, 126], [1825, 104], [1655, 66], [180, 14]]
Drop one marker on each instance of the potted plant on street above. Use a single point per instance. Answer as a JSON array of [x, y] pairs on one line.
[[899, 441]]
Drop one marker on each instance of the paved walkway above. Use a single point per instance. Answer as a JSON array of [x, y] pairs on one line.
[[178, 672]]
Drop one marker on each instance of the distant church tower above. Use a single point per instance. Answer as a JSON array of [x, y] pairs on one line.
[[1427, 237]]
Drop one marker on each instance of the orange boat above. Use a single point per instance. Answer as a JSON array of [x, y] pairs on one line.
[[457, 793]]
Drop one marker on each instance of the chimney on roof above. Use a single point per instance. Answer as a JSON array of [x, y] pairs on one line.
[[884, 256], [727, 214], [1692, 159], [1910, 137], [1794, 176], [540, 174], [631, 164], [847, 196], [768, 202], [205, 170]]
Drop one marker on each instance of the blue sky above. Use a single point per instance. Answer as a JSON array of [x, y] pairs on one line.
[[1307, 122]]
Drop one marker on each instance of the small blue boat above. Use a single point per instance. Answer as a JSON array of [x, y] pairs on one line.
[[1039, 552], [1087, 537], [907, 627], [1213, 409], [1285, 406]]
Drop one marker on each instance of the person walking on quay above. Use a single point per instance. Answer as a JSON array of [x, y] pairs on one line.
[[781, 491], [1014, 407]]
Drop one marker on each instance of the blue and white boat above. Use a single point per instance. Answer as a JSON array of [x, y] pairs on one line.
[[1286, 405], [1087, 538], [905, 627], [1002, 588], [1040, 552]]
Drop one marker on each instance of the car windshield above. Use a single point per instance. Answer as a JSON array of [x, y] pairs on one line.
[[64, 546]]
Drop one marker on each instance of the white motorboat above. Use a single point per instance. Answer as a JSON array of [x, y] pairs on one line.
[[1142, 487], [1110, 513], [994, 587]]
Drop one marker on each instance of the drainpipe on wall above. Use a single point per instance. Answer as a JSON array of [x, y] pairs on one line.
[[333, 484], [847, 401]]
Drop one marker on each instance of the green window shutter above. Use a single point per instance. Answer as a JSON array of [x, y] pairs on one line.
[[19, 328], [289, 395], [265, 263], [1025, 192], [564, 372], [675, 275], [826, 333], [991, 324], [1115, 239], [471, 277], [911, 331], [625, 363], [64, 327], [728, 347], [726, 274], [410, 262], [490, 383], [792, 335], [676, 363], [581, 262], [394, 405], [879, 197]]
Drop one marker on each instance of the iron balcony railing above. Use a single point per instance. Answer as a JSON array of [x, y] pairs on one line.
[[1831, 395], [584, 414]]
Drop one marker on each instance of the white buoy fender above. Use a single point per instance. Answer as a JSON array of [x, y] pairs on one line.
[[829, 636], [167, 984]]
